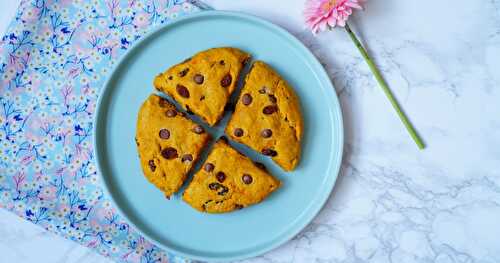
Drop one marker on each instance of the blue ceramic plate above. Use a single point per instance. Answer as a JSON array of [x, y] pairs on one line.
[[174, 225]]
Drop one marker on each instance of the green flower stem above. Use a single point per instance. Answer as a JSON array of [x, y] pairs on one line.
[[387, 91]]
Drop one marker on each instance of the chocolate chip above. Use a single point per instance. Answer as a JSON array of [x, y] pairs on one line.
[[247, 179], [221, 176], [136, 142], [260, 165], [226, 80], [270, 109], [183, 91], [198, 78], [183, 72], [163, 102], [204, 205], [272, 98], [169, 153], [229, 107], [170, 78], [187, 158], [202, 97], [221, 189], [152, 165], [171, 113], [164, 134], [188, 110], [238, 206], [198, 129], [209, 167], [263, 90], [266, 133], [246, 99], [269, 152], [222, 62], [238, 132]]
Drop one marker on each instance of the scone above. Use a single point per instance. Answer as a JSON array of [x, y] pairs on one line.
[[267, 117], [227, 181], [203, 84], [168, 143]]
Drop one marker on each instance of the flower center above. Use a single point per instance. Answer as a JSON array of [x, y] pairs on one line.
[[329, 5]]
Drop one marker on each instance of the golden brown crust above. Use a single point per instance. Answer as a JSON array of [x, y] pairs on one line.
[[267, 117], [232, 182], [167, 143], [204, 83]]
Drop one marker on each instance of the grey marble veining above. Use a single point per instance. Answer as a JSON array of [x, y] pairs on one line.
[[392, 202]]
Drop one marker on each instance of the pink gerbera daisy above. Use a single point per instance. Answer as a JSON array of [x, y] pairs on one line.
[[323, 14], [326, 14]]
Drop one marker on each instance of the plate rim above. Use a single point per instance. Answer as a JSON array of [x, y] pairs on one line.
[[335, 114]]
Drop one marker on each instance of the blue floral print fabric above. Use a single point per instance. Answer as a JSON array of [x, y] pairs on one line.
[[54, 59]]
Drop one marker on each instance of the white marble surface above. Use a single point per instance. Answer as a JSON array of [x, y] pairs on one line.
[[392, 202]]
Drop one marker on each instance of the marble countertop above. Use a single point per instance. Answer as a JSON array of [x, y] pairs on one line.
[[391, 202]]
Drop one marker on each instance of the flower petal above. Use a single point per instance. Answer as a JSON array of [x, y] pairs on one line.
[[332, 22], [322, 14], [353, 5], [341, 23]]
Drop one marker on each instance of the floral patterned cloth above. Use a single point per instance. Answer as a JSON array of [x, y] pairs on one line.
[[54, 59]]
